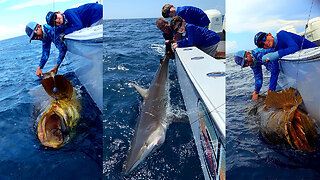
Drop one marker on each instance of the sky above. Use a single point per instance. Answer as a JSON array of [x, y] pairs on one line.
[[128, 9], [15, 15], [245, 18]]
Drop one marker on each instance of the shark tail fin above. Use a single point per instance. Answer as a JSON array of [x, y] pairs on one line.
[[143, 92], [285, 99]]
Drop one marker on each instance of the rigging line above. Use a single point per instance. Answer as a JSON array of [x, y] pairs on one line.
[[54, 29], [304, 37]]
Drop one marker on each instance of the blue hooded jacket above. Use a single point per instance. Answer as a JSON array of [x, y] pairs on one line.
[[51, 35], [273, 67], [289, 43], [82, 16], [198, 36], [193, 15]]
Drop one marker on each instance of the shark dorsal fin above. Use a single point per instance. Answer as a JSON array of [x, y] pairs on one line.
[[143, 92]]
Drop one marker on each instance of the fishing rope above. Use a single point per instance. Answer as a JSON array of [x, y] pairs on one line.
[[305, 31]]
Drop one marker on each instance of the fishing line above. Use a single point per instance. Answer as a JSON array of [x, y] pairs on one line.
[[305, 31]]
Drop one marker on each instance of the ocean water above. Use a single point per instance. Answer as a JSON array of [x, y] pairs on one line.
[[132, 52], [249, 156], [21, 154]]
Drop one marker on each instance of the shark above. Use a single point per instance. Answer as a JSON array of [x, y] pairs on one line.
[[60, 115], [282, 121], [152, 122]]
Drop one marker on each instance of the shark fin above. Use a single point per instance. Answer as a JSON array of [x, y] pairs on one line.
[[143, 92], [284, 99]]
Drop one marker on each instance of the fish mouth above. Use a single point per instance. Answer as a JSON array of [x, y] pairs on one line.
[[302, 134], [289, 122], [50, 130]]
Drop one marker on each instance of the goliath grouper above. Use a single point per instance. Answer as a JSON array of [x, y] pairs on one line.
[[60, 115], [282, 121]]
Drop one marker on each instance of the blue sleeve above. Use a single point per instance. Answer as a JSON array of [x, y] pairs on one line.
[[60, 29], [193, 15], [258, 53], [46, 45], [257, 71], [188, 40], [204, 20], [290, 45], [62, 50], [74, 20]]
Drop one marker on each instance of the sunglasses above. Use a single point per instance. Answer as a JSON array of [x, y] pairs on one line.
[[262, 39]]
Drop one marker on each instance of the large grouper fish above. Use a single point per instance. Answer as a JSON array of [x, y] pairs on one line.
[[60, 115], [283, 122]]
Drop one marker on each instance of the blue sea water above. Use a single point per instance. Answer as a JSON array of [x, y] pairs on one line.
[[249, 156], [21, 154], [132, 52]]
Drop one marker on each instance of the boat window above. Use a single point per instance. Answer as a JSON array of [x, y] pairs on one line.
[[197, 58], [216, 74], [209, 140]]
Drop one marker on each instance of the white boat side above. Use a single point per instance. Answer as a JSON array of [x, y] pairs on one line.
[[301, 70], [200, 90], [88, 44], [198, 65]]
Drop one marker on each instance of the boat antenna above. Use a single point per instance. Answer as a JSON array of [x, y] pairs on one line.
[[305, 31], [54, 51]]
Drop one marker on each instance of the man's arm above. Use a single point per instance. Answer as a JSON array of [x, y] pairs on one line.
[[74, 20], [291, 45], [44, 58], [46, 45], [258, 77], [187, 40], [62, 51]]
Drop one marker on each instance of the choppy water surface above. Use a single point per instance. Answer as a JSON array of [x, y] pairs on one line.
[[249, 156], [21, 154], [132, 52]]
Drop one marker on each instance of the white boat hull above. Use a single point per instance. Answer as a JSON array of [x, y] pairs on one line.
[[87, 43], [301, 70], [204, 98]]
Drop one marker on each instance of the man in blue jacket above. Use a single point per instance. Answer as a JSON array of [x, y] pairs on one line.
[[190, 14], [192, 35], [284, 43], [254, 60], [76, 18], [46, 34]]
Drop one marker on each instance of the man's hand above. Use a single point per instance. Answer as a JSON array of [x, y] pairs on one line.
[[39, 72], [270, 56], [55, 69], [167, 42], [255, 95], [174, 46], [269, 91]]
